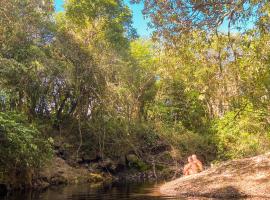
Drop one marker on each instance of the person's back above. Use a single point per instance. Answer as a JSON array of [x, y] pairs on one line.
[[194, 169], [197, 162]]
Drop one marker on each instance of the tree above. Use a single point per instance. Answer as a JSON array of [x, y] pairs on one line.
[[172, 18]]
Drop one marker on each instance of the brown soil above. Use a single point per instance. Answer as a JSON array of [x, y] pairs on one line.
[[248, 177]]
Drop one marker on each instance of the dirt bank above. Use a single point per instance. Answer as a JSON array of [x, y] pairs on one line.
[[58, 172], [248, 177]]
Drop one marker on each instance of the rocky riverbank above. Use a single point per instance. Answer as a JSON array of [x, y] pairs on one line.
[[233, 179], [58, 172], [63, 172], [65, 168]]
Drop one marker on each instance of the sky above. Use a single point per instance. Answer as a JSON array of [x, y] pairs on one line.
[[140, 23], [138, 20]]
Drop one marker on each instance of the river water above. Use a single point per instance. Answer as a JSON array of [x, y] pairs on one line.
[[86, 192]]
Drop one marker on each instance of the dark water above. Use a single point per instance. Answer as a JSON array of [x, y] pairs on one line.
[[87, 192]]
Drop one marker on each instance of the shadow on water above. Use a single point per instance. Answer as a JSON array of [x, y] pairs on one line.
[[108, 192], [3, 190]]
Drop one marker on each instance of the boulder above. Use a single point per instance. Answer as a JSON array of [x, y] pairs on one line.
[[58, 180], [60, 172], [107, 165]]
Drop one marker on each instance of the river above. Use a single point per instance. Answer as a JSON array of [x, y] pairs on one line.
[[142, 191]]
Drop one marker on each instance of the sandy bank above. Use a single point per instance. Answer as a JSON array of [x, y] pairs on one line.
[[248, 177]]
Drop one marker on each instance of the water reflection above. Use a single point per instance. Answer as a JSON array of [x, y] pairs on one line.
[[87, 192]]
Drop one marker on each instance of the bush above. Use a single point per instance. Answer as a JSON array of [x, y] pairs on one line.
[[241, 134], [22, 146], [187, 142]]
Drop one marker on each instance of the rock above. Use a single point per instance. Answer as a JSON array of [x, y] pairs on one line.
[[108, 165], [90, 157], [41, 184], [60, 172], [233, 179], [58, 180], [95, 178], [94, 167]]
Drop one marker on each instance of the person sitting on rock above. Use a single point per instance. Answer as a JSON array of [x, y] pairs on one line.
[[188, 167], [194, 166], [197, 162]]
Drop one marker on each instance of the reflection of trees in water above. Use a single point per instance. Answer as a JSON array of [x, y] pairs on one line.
[[120, 191]]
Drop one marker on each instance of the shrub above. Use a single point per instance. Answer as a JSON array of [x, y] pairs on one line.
[[241, 134], [187, 142], [21, 144]]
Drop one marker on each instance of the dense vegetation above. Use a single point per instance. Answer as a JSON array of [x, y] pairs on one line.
[[84, 78]]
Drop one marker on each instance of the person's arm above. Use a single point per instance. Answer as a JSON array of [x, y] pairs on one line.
[[186, 168]]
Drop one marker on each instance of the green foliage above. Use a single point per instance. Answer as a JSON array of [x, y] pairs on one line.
[[187, 142], [111, 17], [241, 134], [22, 146], [85, 78], [175, 103]]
